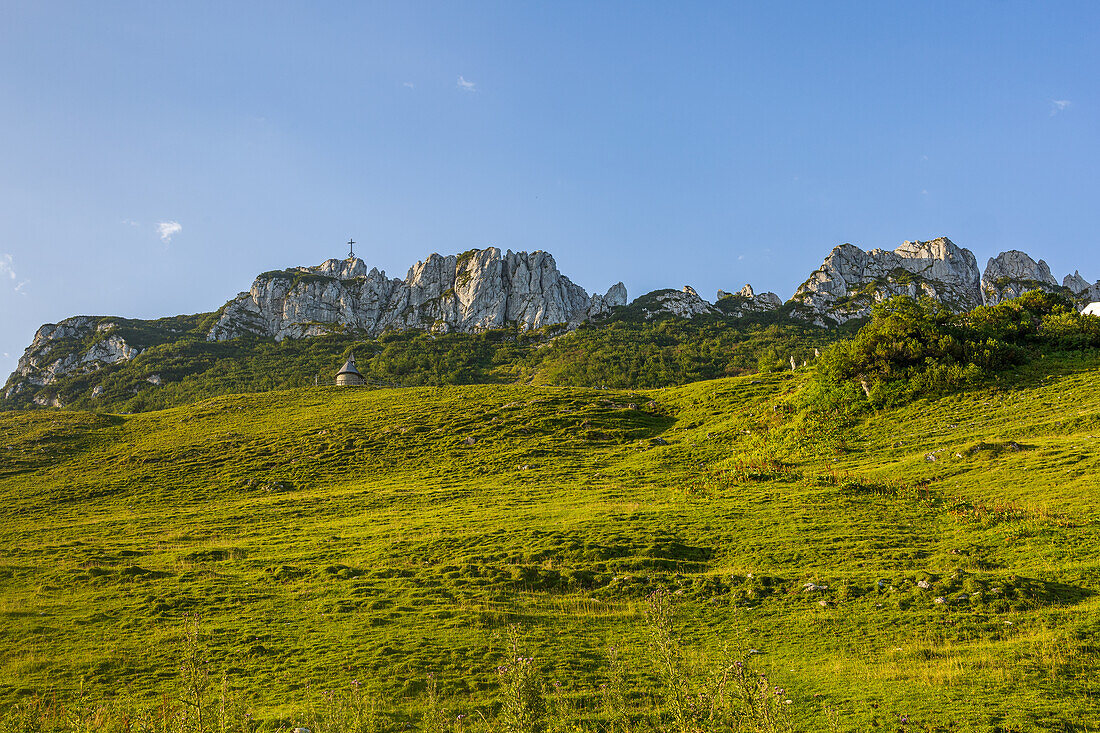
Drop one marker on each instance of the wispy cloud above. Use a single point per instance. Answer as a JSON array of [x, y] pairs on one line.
[[409, 84], [1059, 105], [466, 86], [131, 222], [7, 271], [168, 229]]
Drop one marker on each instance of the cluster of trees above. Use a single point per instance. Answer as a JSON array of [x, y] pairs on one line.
[[917, 347], [909, 347], [622, 353]]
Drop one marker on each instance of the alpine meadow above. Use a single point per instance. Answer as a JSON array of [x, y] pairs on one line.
[[409, 366]]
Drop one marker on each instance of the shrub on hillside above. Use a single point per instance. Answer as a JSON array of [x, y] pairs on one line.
[[916, 347]]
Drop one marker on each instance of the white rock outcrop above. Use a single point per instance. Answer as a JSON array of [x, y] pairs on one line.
[[58, 350], [1011, 274], [684, 303], [474, 291], [850, 280], [746, 301]]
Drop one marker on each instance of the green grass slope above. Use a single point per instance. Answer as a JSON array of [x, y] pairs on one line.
[[327, 535], [178, 366]]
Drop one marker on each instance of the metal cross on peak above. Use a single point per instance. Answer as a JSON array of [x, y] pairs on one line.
[[351, 250]]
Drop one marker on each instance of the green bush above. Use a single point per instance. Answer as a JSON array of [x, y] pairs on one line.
[[918, 347]]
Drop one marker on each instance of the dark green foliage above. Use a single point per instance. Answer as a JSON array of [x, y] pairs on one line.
[[622, 353], [918, 347]]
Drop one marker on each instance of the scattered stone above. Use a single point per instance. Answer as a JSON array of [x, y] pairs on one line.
[[658, 441], [940, 599], [924, 584], [153, 379], [471, 440], [823, 603], [97, 391]]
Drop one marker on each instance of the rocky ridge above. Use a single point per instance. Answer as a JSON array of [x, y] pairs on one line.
[[1011, 274], [474, 291], [487, 289], [850, 281], [63, 349]]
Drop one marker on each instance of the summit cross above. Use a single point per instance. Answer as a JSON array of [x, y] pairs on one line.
[[351, 250]]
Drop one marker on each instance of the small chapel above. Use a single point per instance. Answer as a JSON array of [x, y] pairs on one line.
[[349, 375]]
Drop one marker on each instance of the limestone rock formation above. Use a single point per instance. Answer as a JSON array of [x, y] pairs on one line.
[[746, 301], [1083, 292], [1011, 274], [850, 280], [474, 291], [685, 303], [60, 350]]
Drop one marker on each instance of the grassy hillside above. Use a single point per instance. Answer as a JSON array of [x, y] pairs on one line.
[[179, 366], [323, 536]]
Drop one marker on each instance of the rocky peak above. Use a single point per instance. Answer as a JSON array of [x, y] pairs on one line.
[[851, 280], [746, 301], [1083, 292], [473, 291], [76, 345], [1012, 273]]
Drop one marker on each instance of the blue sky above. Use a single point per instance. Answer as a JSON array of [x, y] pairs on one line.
[[157, 156]]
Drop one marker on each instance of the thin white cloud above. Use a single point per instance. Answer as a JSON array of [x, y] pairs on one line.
[[466, 86], [409, 84], [7, 269], [1059, 105], [168, 229], [130, 222]]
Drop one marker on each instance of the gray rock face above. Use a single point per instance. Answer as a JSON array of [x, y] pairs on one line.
[[1011, 274], [59, 350], [1083, 292], [746, 301], [474, 291], [850, 280], [684, 303]]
